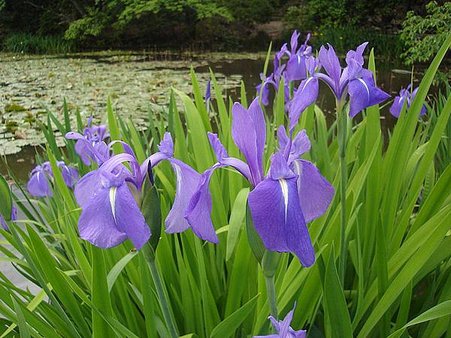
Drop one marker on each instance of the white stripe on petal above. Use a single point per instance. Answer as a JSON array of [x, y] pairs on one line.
[[366, 87], [113, 191], [284, 187]]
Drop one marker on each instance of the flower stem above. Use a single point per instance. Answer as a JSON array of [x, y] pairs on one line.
[[271, 294], [161, 292], [269, 265], [342, 129]]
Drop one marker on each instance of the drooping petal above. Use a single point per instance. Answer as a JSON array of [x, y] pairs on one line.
[[315, 192], [39, 185], [263, 92], [101, 152], [397, 105], [70, 174], [267, 206], [363, 93], [187, 182], [84, 149], [198, 213], [278, 218], [87, 187], [199, 210], [128, 216], [305, 95], [97, 224], [412, 97]]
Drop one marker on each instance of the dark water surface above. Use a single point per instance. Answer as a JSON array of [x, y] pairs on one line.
[[388, 78]]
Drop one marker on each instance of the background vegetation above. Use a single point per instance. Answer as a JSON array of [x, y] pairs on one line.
[[73, 25]]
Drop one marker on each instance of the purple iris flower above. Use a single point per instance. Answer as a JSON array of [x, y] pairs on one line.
[[110, 197], [406, 96], [294, 69], [13, 217], [281, 203], [283, 328], [91, 145], [354, 80], [39, 183]]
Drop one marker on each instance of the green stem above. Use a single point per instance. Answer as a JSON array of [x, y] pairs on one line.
[[269, 264], [271, 294], [161, 292], [342, 129]]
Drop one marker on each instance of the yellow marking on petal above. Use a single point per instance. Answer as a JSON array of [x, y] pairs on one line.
[[113, 191], [284, 187]]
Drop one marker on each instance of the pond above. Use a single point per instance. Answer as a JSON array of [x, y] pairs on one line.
[[32, 85]]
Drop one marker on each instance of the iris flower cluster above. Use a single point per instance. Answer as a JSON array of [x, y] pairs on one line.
[[353, 80], [39, 184], [283, 199], [405, 97], [111, 196], [91, 146], [292, 192]]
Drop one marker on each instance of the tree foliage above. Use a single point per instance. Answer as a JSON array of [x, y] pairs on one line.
[[423, 35]]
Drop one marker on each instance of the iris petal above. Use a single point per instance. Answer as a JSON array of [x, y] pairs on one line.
[[363, 93], [249, 134], [315, 192], [87, 187], [129, 218], [304, 97], [329, 60], [97, 224], [278, 218], [187, 181], [112, 216], [39, 185], [199, 210]]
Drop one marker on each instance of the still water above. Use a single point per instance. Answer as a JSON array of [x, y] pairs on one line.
[[134, 82]]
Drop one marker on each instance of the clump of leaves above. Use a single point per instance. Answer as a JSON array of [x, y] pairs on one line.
[[423, 36], [11, 126], [14, 107], [30, 118]]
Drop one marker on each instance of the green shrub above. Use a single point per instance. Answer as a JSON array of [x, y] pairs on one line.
[[423, 36]]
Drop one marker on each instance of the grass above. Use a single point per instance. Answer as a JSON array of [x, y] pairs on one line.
[[398, 220], [26, 43]]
